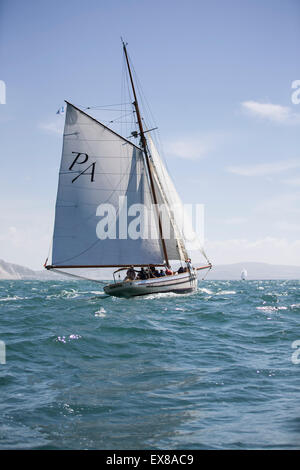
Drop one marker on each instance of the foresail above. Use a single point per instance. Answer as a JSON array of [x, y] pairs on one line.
[[101, 174], [185, 239], [173, 240]]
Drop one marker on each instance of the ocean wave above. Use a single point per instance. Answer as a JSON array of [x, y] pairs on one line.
[[271, 308], [14, 297], [67, 294]]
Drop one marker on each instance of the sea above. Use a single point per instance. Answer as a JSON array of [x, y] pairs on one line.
[[216, 369]]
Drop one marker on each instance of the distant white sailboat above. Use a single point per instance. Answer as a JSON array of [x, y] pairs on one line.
[[99, 166], [244, 275]]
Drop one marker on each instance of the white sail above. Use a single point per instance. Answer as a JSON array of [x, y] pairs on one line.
[[244, 274], [98, 167], [172, 237], [186, 239]]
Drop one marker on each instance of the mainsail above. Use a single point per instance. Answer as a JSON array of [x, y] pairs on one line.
[[99, 167]]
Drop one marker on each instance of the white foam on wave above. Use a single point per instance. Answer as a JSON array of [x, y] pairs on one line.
[[101, 313], [226, 292], [66, 294], [205, 291], [163, 295], [64, 339], [270, 308], [15, 297]]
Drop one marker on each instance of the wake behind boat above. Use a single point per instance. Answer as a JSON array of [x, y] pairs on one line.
[[118, 207]]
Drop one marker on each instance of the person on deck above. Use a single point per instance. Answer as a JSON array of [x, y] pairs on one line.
[[161, 273], [130, 274], [148, 273], [180, 270], [168, 271], [142, 274], [154, 272], [188, 264]]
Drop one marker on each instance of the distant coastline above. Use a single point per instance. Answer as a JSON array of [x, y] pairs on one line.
[[230, 272]]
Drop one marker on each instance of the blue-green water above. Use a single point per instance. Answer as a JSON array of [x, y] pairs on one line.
[[208, 370]]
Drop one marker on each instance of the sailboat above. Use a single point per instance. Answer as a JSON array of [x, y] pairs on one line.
[[105, 180], [244, 274]]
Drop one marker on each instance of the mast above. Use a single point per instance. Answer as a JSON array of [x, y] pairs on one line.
[[147, 157]]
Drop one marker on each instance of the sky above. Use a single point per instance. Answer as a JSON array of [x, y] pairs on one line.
[[218, 76]]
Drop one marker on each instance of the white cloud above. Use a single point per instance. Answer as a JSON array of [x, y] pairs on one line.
[[265, 169], [190, 149], [266, 250], [272, 112], [195, 146]]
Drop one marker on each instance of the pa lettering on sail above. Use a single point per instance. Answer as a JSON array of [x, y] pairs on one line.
[[87, 170]]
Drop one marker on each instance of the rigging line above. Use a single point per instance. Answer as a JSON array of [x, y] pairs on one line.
[[206, 273], [100, 107], [78, 277], [115, 121], [106, 109], [151, 117], [104, 105], [122, 116], [143, 96], [157, 138]]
